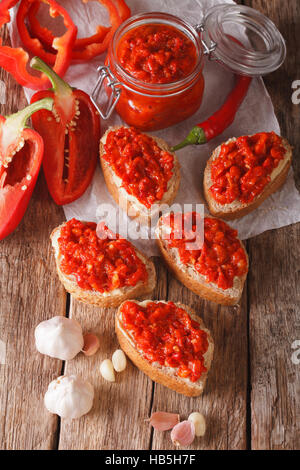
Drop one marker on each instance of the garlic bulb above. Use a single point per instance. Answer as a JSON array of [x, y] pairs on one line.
[[59, 337], [69, 397]]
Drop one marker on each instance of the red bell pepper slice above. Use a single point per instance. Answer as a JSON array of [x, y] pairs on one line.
[[84, 48], [46, 37], [15, 60], [21, 152], [71, 135]]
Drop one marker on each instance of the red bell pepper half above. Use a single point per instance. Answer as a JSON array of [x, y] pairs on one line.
[[71, 134], [21, 153]]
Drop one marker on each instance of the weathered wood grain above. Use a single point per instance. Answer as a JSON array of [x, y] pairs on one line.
[[117, 420], [29, 293], [273, 284]]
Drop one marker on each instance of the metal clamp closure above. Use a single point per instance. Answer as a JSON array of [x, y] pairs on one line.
[[106, 74], [208, 48]]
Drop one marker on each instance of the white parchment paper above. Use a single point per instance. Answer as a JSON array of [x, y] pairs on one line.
[[255, 115]]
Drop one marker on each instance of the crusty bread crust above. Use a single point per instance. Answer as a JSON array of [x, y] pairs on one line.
[[110, 299], [196, 282], [129, 203], [165, 375], [237, 209]]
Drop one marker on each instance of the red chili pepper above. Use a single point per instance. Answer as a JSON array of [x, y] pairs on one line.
[[21, 152], [221, 119], [15, 60], [71, 134], [84, 48]]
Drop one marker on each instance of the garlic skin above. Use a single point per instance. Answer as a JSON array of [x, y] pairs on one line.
[[183, 433], [107, 370], [163, 421], [119, 360], [59, 337], [69, 397], [199, 423]]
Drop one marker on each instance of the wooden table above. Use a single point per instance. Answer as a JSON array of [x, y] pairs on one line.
[[250, 401]]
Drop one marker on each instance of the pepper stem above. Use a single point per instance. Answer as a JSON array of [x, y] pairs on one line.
[[196, 137], [59, 85]]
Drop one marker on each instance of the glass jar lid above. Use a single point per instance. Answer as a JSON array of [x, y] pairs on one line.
[[242, 39]]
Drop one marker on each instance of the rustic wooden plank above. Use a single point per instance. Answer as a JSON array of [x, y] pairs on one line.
[[29, 294], [273, 284], [224, 401], [117, 418]]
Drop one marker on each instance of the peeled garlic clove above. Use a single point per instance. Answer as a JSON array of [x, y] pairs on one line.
[[183, 433], [119, 360], [91, 344], [199, 423], [162, 421], [69, 397], [107, 370], [59, 337]]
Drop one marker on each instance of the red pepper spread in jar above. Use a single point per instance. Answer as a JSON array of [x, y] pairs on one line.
[[157, 53], [167, 334], [140, 163], [243, 168], [221, 256], [100, 264]]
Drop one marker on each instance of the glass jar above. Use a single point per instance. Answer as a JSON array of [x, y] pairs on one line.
[[238, 37]]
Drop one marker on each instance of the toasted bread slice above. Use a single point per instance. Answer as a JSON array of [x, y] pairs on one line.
[[161, 374], [104, 299], [237, 209], [134, 208], [193, 280]]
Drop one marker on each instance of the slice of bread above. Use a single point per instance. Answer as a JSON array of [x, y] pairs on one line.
[[237, 209], [134, 208], [104, 299], [192, 279], [161, 374]]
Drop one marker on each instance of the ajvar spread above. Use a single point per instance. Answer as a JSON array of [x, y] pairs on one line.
[[140, 163], [157, 53], [221, 256], [100, 264], [243, 168], [167, 335]]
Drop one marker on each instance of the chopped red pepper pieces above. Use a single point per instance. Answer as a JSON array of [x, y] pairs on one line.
[[21, 152], [168, 335], [71, 134], [15, 60]]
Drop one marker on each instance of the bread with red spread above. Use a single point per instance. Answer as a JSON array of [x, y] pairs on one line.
[[128, 202], [165, 375], [110, 298], [237, 209], [187, 274]]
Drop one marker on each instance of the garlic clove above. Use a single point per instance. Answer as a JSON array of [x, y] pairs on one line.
[[162, 421], [91, 344], [59, 337], [183, 433], [119, 360], [107, 370], [199, 423], [69, 397]]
